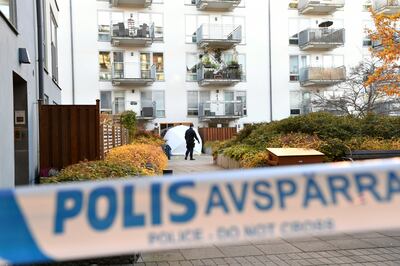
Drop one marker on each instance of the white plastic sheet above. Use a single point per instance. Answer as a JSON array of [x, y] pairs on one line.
[[175, 138]]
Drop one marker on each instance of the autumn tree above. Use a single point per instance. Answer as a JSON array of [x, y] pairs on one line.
[[386, 48]]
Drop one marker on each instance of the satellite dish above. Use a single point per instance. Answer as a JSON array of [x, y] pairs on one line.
[[325, 24]]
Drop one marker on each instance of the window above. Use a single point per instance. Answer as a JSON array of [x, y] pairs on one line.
[[104, 21], [104, 66], [367, 25], [242, 97], [158, 62], [295, 26], [119, 103], [153, 99], [367, 5], [293, 4], [54, 47], [105, 100], [296, 63], [191, 66], [193, 103], [9, 10]]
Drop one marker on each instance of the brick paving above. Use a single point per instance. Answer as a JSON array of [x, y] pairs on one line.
[[366, 249]]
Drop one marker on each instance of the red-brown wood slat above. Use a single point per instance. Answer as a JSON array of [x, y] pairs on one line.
[[68, 134], [217, 134]]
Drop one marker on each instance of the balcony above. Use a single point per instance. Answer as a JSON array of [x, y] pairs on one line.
[[133, 74], [378, 46], [220, 5], [221, 110], [386, 7], [322, 76], [138, 3], [210, 75], [127, 34], [319, 7], [321, 39], [215, 36]]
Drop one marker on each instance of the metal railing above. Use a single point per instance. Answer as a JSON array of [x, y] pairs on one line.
[[223, 73], [133, 70], [322, 74], [380, 4], [221, 109], [324, 36], [305, 3], [130, 29], [233, 2], [229, 33]]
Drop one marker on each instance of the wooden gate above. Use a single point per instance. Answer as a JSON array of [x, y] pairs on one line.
[[68, 134], [214, 134]]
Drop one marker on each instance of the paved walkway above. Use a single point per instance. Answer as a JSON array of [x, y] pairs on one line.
[[372, 248]]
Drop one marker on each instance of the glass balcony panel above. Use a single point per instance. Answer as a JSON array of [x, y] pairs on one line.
[[321, 39], [322, 76], [139, 3], [221, 5], [319, 7], [124, 73], [230, 110], [218, 36], [130, 33], [386, 7]]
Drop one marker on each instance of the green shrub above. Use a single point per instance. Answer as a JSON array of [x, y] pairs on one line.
[[90, 171]]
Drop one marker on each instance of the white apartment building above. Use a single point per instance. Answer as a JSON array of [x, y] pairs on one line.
[[145, 56], [210, 61]]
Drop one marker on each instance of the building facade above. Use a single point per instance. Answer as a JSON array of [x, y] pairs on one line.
[[216, 62], [173, 62], [24, 82]]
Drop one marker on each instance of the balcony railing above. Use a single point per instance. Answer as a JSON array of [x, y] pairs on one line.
[[221, 5], [133, 74], [378, 46], [224, 76], [322, 76], [129, 34], [386, 7], [230, 110], [319, 7], [218, 36], [139, 3], [321, 39]]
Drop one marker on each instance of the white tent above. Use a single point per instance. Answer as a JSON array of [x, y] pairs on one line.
[[175, 138]]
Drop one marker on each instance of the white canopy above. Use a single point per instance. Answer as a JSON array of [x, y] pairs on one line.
[[175, 138]]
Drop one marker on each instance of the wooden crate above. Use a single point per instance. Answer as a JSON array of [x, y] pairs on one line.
[[293, 156]]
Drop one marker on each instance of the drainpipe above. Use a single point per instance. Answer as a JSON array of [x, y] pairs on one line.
[[39, 16], [270, 61], [72, 52]]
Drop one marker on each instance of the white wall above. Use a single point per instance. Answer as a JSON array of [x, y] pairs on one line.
[[175, 49], [9, 44]]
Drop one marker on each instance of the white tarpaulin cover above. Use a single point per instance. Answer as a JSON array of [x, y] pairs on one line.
[[175, 138]]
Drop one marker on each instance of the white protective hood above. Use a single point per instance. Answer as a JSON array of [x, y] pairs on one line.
[[175, 138]]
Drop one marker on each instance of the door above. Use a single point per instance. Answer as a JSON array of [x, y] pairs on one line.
[[145, 67], [21, 131], [229, 103]]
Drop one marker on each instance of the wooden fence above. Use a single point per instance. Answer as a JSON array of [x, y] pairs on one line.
[[112, 136], [68, 134], [214, 134]]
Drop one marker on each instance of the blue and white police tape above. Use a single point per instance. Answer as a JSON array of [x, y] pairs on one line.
[[73, 221]]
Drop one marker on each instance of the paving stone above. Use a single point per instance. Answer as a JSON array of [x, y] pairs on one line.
[[350, 244], [314, 246], [383, 242], [231, 261], [162, 263], [301, 239], [391, 233], [239, 251], [253, 260], [278, 249], [163, 256], [366, 235], [186, 263], [174, 263], [202, 253], [334, 237], [197, 262]]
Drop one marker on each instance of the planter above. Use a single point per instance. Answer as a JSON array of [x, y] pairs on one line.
[[226, 162]]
